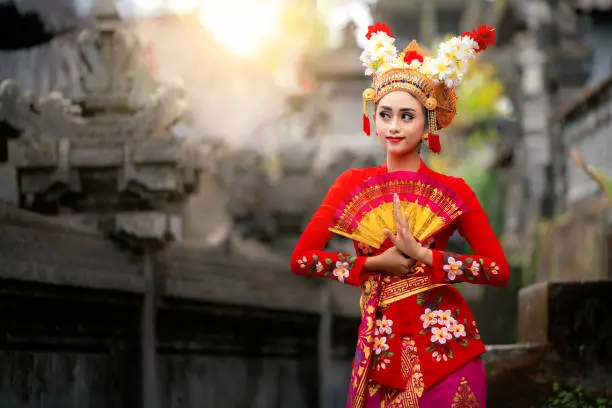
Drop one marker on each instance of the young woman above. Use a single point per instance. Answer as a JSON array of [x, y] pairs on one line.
[[418, 344]]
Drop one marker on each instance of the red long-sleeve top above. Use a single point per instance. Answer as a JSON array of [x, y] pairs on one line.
[[437, 323]]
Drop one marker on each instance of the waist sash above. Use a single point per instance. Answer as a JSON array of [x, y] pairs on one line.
[[404, 288], [376, 294]]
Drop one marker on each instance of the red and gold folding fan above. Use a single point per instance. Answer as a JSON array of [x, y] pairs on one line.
[[368, 209]]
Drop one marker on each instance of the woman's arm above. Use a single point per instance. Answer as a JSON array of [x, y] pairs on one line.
[[488, 264], [309, 258]]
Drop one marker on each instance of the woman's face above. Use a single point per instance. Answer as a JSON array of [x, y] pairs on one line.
[[400, 122]]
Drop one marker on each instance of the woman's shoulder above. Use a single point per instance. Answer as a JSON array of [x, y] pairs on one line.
[[457, 184], [450, 181]]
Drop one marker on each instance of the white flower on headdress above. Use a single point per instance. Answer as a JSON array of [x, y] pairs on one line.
[[450, 64], [458, 49], [380, 40], [468, 42], [414, 65], [376, 63], [379, 53], [448, 67], [436, 68]]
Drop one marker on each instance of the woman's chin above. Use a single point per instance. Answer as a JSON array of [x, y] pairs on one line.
[[399, 150]]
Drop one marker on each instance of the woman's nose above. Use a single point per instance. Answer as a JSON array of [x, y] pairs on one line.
[[394, 128]]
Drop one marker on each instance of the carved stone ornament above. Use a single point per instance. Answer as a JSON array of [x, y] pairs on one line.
[[115, 147]]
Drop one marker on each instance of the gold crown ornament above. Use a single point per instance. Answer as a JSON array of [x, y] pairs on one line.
[[431, 81]]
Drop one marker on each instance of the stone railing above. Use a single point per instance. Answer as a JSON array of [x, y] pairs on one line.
[[585, 127]]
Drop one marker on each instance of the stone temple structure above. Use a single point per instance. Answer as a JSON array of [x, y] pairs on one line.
[[97, 278]]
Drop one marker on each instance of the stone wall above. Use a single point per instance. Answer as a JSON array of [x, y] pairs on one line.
[[70, 318], [585, 128], [70, 349], [42, 249], [34, 379], [573, 246], [79, 348], [563, 336]]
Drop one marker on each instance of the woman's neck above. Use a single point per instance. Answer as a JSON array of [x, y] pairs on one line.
[[408, 162]]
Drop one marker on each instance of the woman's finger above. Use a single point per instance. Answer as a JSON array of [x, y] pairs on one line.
[[390, 235], [406, 221], [397, 212]]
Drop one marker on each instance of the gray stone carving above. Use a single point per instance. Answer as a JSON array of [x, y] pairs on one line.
[[114, 150]]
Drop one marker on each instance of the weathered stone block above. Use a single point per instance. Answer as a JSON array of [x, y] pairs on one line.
[[147, 226], [514, 376], [572, 318], [9, 191], [97, 156], [158, 151], [573, 245], [533, 314]]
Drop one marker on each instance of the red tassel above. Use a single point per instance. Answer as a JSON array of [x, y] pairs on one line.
[[433, 140], [366, 125]]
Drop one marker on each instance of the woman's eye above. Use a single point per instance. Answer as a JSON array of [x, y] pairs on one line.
[[406, 116], [384, 115]]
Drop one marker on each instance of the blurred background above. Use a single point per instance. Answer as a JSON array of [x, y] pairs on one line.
[[160, 158]]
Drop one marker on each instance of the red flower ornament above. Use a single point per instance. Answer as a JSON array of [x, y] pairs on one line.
[[411, 56], [378, 27], [484, 35]]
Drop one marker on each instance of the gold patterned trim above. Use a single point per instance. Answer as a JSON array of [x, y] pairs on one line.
[[464, 397], [396, 291]]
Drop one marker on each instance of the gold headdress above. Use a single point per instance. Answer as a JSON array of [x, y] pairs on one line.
[[431, 81]]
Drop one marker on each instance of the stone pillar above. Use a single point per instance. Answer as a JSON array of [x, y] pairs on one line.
[[146, 233], [535, 112], [428, 22]]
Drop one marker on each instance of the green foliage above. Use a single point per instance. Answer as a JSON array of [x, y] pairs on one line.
[[606, 181], [482, 135], [478, 104], [487, 187], [566, 397], [479, 94]]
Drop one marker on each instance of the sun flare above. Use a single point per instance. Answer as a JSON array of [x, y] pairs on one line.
[[241, 25]]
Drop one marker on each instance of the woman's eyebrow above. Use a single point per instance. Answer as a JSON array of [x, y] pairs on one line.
[[401, 110]]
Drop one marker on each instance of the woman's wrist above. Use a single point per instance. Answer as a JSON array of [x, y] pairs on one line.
[[425, 255], [372, 264]]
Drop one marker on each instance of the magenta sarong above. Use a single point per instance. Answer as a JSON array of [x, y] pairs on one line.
[[465, 388]]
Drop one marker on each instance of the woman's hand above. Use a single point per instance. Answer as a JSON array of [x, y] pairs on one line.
[[403, 239], [391, 261]]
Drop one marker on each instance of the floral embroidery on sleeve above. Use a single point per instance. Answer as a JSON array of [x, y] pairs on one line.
[[444, 328], [470, 267], [452, 268], [339, 269], [383, 331]]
